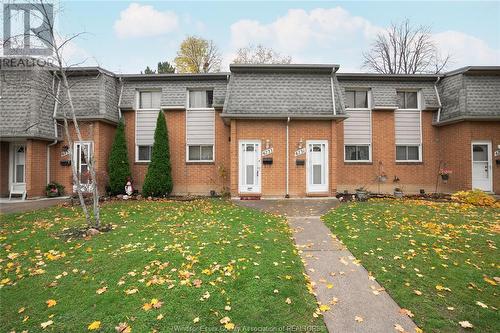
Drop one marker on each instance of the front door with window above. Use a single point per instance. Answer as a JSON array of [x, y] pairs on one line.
[[18, 174], [317, 166], [82, 154], [481, 166], [249, 166]]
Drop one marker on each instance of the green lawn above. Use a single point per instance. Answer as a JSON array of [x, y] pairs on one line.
[[202, 261], [446, 252]]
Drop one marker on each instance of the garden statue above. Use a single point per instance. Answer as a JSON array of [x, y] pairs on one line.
[[129, 189]]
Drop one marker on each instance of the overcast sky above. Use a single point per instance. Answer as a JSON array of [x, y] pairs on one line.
[[125, 37]]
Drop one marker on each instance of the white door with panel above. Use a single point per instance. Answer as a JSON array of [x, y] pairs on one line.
[[249, 166], [481, 166], [18, 168], [317, 166]]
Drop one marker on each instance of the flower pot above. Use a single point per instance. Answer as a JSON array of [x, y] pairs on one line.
[[52, 194], [362, 195], [398, 194], [445, 177]]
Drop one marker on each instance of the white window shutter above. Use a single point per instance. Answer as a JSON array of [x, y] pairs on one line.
[[145, 127], [407, 127], [200, 127], [357, 128]]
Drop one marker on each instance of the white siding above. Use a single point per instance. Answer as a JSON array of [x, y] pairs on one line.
[[200, 127], [145, 127], [357, 128], [407, 127]]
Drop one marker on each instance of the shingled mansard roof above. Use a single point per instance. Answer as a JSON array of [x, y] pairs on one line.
[[311, 91], [276, 91]]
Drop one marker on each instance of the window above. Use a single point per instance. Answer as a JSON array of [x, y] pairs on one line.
[[149, 99], [357, 128], [356, 99], [201, 99], [144, 153], [357, 152], [408, 153], [201, 153], [407, 99], [19, 163]]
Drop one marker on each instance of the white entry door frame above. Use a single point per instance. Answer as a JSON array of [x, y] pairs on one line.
[[249, 179], [482, 168], [17, 168], [317, 166]]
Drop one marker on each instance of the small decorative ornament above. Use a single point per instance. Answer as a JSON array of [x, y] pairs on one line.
[[129, 189]]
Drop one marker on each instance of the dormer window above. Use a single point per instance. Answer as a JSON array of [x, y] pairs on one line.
[[356, 99], [149, 100], [201, 99], [407, 100]]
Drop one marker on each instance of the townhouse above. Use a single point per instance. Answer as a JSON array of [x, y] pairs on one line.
[[260, 130]]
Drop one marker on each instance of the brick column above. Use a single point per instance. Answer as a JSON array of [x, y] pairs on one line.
[[334, 158], [234, 159]]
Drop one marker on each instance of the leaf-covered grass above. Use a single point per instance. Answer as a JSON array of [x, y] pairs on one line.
[[203, 260], [448, 252]]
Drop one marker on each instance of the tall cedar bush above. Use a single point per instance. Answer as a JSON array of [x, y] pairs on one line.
[[118, 167], [158, 182]]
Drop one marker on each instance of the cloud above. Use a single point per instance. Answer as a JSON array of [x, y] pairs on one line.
[[335, 35], [144, 21], [465, 49], [300, 28]]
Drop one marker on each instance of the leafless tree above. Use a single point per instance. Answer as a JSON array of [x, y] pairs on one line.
[[260, 55], [404, 49], [65, 102]]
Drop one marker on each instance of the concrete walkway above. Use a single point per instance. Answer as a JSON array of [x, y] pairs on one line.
[[357, 302], [18, 206]]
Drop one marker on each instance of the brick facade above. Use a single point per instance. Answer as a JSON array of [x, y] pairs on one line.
[[189, 178]]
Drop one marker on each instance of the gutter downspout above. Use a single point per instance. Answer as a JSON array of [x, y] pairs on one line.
[[56, 101], [120, 99], [334, 70], [287, 195], [438, 98]]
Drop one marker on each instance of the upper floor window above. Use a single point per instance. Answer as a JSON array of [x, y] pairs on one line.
[[356, 99], [407, 99], [201, 99], [149, 99]]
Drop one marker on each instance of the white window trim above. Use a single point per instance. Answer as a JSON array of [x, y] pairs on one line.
[[198, 89], [369, 160], [419, 103], [419, 109], [138, 99], [412, 145], [200, 161], [186, 127], [137, 160], [369, 144], [137, 109]]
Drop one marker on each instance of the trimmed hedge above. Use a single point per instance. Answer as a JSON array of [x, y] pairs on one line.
[[158, 181], [118, 167]]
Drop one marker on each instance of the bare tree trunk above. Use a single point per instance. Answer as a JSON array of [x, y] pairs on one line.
[[95, 189]]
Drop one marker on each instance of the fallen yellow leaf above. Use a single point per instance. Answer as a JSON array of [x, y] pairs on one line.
[[51, 303], [95, 325]]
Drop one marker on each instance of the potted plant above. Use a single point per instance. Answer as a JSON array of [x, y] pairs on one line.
[[54, 189], [362, 193], [398, 192], [445, 174]]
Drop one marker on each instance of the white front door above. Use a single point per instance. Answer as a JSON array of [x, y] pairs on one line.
[[82, 153], [249, 169], [317, 166], [18, 179], [481, 166]]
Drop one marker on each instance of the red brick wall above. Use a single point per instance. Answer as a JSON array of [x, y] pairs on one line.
[[189, 178], [4, 169], [36, 168], [273, 177], [102, 134], [412, 176], [455, 144]]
